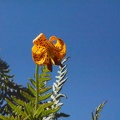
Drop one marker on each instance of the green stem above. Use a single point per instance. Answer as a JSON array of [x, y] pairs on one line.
[[37, 86]]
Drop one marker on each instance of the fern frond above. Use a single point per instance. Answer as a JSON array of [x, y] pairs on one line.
[[57, 87], [60, 80]]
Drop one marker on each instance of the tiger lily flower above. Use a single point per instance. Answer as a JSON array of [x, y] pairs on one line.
[[48, 52]]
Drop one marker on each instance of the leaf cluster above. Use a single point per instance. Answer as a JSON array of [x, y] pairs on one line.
[[8, 88], [36, 105]]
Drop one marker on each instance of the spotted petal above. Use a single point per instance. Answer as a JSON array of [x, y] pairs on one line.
[[46, 52]]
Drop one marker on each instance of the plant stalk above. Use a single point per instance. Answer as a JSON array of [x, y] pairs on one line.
[[37, 86]]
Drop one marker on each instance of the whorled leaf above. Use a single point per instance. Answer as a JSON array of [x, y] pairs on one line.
[[26, 110]]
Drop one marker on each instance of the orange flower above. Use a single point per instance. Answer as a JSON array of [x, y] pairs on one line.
[[46, 52]]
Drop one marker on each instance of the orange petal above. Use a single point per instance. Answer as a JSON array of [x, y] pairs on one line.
[[39, 49], [40, 40], [59, 49], [46, 52], [38, 59]]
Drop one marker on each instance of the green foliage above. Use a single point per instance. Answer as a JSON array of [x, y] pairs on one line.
[[96, 113], [37, 102], [8, 88], [4, 68], [56, 95]]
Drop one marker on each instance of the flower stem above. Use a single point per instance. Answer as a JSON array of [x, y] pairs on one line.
[[37, 86]]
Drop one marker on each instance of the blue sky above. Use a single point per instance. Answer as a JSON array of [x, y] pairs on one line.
[[91, 31]]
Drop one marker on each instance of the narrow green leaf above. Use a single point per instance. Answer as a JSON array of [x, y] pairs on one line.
[[39, 111], [32, 82], [43, 90], [31, 89], [45, 96], [45, 69], [26, 118], [49, 111], [46, 79], [18, 101], [4, 118], [27, 96], [12, 105], [42, 84], [18, 110], [15, 118], [44, 74], [48, 105], [29, 110]]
